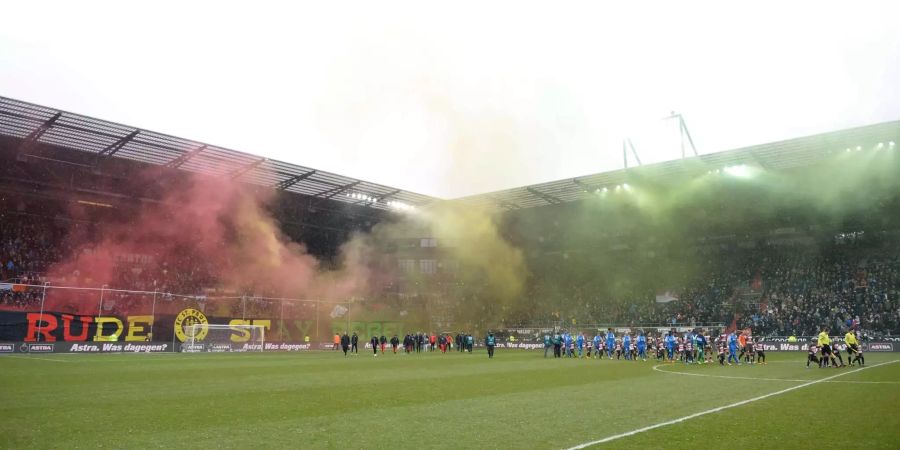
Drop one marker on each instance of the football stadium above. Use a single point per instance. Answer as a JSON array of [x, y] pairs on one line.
[[163, 291]]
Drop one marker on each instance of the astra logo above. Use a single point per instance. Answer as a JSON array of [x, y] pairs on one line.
[[40, 348], [881, 347]]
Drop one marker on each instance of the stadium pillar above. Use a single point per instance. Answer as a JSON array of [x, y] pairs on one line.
[[153, 315], [41, 319]]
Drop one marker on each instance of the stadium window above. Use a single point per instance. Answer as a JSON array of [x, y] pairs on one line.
[[429, 242], [407, 265], [428, 266]]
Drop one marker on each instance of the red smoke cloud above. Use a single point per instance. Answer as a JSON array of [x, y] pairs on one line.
[[209, 232]]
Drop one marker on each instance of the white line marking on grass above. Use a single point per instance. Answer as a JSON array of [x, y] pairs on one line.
[[112, 354], [657, 368], [721, 408], [35, 357]]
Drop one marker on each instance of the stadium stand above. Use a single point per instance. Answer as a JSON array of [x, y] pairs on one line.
[[744, 271]]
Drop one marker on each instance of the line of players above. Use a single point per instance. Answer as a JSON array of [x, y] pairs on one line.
[[692, 347], [412, 343], [821, 351]]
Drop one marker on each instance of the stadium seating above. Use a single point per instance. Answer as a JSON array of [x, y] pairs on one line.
[[776, 291]]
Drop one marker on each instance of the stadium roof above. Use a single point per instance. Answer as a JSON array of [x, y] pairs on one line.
[[782, 155], [108, 139]]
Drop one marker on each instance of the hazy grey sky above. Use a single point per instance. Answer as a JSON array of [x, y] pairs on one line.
[[459, 98]]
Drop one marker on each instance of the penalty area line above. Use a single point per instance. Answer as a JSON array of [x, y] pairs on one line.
[[721, 408]]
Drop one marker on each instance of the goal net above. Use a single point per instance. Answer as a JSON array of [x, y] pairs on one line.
[[203, 337]]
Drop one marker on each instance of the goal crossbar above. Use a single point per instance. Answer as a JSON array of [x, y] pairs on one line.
[[204, 337]]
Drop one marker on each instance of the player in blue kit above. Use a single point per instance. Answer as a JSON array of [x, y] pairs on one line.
[[732, 348], [670, 346], [610, 342], [579, 341], [689, 349], [626, 345], [642, 346], [597, 346]]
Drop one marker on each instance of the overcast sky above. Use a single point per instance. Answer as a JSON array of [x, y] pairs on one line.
[[462, 98]]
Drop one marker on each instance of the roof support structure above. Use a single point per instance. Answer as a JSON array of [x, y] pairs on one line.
[[38, 132], [240, 171], [337, 190], [546, 197], [185, 157], [111, 149], [626, 144], [390, 194], [282, 185], [380, 197], [587, 188], [506, 204]]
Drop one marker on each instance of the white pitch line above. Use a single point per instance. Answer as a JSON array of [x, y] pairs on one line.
[[657, 368], [720, 408], [34, 357]]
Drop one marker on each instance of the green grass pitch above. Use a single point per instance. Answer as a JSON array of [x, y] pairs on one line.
[[517, 400]]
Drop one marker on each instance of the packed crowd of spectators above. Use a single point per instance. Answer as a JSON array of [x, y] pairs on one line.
[[28, 245], [774, 290], [835, 289], [26, 299]]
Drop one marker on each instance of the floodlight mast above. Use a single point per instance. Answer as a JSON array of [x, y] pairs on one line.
[[626, 144], [683, 130]]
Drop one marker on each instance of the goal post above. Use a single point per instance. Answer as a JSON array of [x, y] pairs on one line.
[[204, 337]]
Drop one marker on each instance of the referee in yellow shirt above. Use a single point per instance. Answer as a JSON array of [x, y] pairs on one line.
[[824, 343], [853, 348]]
